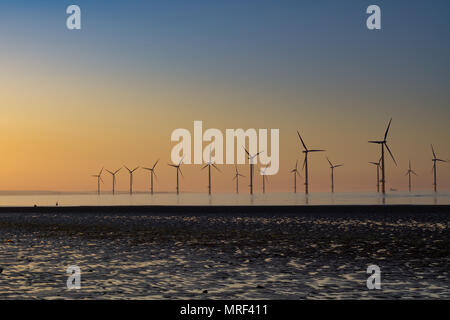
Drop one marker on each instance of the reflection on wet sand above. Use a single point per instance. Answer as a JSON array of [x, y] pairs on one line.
[[236, 255]]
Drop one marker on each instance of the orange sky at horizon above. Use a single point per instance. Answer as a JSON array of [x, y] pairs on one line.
[[74, 103]]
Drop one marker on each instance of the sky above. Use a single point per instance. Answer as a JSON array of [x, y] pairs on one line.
[[110, 94]]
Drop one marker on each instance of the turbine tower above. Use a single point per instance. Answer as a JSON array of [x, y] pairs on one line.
[[99, 178], [384, 144], [250, 158], [332, 173], [295, 172], [378, 164], [152, 173], [236, 177], [209, 164], [408, 173], [435, 159], [131, 177], [305, 162], [264, 179], [178, 167], [113, 179]]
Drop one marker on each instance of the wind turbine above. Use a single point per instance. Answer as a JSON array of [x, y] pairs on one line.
[[408, 173], [305, 163], [383, 144], [435, 159], [378, 173], [295, 172], [113, 178], [152, 173], [209, 164], [131, 177], [236, 177], [99, 178], [178, 167], [250, 158], [264, 179], [332, 173]]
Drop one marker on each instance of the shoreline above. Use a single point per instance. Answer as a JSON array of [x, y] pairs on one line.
[[230, 209]]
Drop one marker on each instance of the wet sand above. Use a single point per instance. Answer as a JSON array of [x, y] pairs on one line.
[[227, 252]]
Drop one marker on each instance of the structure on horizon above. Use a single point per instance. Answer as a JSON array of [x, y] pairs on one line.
[[332, 173], [306, 151], [384, 144], [113, 179], [152, 173]]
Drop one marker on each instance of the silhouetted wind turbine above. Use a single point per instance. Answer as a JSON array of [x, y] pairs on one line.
[[236, 177], [378, 173], [435, 159], [332, 173], [250, 158], [305, 162], [209, 164], [152, 173], [99, 178], [178, 167], [295, 172], [113, 179], [131, 177], [383, 144], [408, 173], [264, 179]]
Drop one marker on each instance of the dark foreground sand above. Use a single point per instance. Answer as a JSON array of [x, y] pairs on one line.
[[225, 252]]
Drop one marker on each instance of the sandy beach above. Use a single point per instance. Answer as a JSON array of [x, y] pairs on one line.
[[225, 252]]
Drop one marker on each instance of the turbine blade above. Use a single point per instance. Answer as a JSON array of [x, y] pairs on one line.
[[246, 152], [181, 161], [303, 143], [377, 142], [387, 130], [117, 170], [387, 147], [216, 168], [329, 162], [179, 168], [109, 171], [155, 164], [304, 163], [316, 150], [204, 167], [339, 165], [432, 149], [414, 173], [234, 178], [172, 165], [127, 168]]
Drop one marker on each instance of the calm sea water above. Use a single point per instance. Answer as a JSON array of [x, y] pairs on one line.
[[225, 199]]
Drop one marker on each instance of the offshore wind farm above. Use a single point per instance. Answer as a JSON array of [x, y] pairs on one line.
[[225, 150]]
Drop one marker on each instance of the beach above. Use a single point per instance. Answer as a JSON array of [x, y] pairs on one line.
[[225, 252]]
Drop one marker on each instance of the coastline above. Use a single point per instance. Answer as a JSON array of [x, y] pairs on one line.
[[230, 209]]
